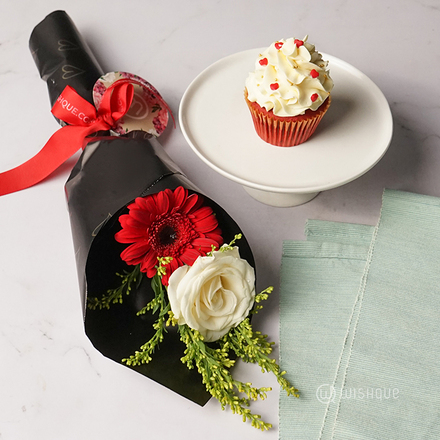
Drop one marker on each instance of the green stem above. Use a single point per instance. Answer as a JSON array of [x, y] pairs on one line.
[[158, 303], [213, 365], [115, 296], [254, 347]]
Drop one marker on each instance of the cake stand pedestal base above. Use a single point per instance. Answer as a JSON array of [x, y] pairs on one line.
[[281, 200]]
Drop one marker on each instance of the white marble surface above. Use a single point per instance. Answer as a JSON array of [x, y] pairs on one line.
[[53, 383]]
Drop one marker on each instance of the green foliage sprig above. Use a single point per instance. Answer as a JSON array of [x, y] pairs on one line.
[[254, 347], [213, 361], [115, 296], [158, 304], [214, 366]]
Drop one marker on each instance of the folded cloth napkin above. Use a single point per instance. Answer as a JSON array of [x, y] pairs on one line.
[[319, 284], [360, 326]]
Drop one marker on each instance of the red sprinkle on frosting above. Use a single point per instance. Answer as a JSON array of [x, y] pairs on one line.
[[314, 97], [314, 73], [263, 61], [279, 45], [299, 43], [274, 86]]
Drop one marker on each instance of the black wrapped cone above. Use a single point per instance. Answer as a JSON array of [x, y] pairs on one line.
[[109, 175], [63, 57]]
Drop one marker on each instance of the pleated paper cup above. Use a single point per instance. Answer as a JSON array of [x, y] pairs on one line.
[[285, 131]]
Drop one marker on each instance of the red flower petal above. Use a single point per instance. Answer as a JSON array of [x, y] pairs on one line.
[[149, 261], [190, 203], [204, 243], [206, 225], [170, 268], [162, 201], [151, 272], [189, 256], [128, 256], [180, 194], [129, 235], [216, 238], [133, 223], [218, 232], [136, 251], [167, 224], [141, 216], [203, 212], [199, 203], [149, 205]]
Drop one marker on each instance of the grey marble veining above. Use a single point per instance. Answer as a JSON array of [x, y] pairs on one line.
[[53, 384]]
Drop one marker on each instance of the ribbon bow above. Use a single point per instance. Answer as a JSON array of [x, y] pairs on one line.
[[83, 120]]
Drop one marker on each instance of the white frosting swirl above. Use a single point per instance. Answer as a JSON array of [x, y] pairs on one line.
[[289, 78]]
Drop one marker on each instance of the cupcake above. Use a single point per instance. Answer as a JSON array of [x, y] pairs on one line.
[[289, 92]]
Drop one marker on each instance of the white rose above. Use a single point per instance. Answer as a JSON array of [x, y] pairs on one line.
[[213, 295]]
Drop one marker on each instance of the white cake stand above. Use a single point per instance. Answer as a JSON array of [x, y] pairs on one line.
[[352, 137]]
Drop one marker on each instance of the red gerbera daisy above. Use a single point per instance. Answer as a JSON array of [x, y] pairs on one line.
[[168, 224]]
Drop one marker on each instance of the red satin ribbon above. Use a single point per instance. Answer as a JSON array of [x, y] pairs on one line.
[[83, 120]]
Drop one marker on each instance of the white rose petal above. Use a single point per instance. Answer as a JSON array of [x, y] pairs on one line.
[[213, 295]]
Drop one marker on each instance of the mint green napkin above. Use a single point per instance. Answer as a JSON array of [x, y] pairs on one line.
[[319, 284], [360, 326]]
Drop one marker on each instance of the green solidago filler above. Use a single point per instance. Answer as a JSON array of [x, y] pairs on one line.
[[209, 299]]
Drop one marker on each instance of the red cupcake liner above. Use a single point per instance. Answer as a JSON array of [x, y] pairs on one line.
[[285, 131]]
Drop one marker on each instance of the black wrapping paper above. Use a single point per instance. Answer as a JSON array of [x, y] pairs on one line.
[[63, 57], [108, 176], [111, 172]]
